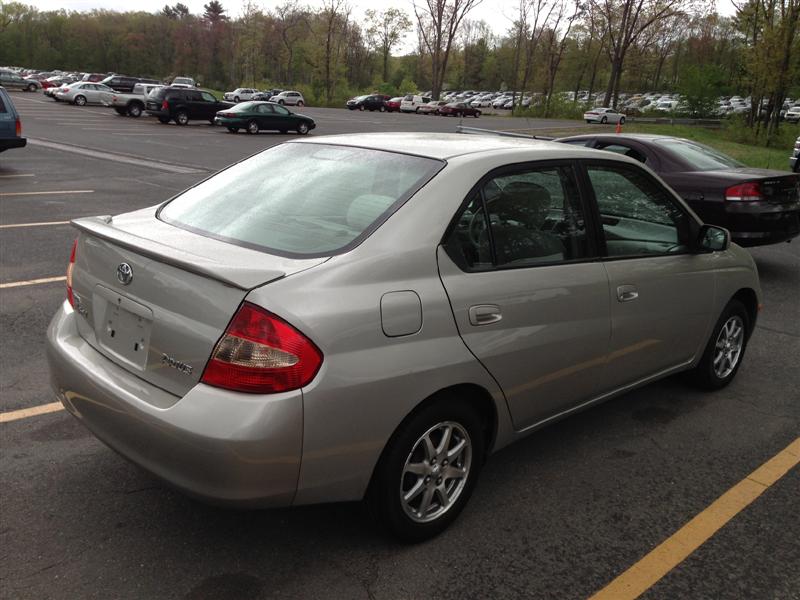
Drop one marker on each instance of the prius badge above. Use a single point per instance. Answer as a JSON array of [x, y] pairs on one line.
[[124, 273]]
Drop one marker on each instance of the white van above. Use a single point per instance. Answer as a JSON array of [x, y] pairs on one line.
[[412, 102]]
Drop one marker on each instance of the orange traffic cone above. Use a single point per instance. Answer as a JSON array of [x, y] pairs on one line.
[[619, 127]]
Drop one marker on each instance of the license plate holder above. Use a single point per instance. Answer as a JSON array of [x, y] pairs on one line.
[[122, 326]]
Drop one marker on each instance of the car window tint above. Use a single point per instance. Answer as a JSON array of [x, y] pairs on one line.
[[624, 150], [639, 217], [534, 217], [301, 199], [702, 158], [265, 109], [280, 110], [2, 106], [207, 97]]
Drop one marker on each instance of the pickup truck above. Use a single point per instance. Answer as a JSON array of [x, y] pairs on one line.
[[129, 104]]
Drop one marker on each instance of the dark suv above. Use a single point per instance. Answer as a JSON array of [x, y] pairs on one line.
[[183, 105], [371, 102], [10, 125], [124, 84]]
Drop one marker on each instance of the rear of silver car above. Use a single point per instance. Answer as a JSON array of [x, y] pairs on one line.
[[128, 348]]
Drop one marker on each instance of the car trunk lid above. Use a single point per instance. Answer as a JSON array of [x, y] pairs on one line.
[[155, 299]]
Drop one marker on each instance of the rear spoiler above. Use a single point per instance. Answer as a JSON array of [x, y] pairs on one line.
[[243, 278], [479, 131]]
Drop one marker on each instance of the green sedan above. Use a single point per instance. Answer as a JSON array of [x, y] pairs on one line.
[[255, 116]]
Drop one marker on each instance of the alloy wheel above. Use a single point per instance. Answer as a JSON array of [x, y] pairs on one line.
[[435, 472], [728, 347]]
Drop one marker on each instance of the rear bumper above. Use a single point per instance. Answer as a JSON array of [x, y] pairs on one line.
[[754, 224], [15, 142], [223, 447]]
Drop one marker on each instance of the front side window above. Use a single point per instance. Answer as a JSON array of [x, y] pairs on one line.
[[639, 217], [524, 218], [301, 199]]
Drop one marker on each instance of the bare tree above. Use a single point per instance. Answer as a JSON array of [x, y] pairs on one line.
[[626, 21], [438, 22], [292, 24], [557, 37], [387, 28]]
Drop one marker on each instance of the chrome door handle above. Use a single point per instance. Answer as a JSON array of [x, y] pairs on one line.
[[483, 314], [626, 293]]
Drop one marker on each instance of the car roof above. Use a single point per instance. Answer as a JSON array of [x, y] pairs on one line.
[[442, 146]]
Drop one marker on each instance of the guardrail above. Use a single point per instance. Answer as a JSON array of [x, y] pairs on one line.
[[676, 121]]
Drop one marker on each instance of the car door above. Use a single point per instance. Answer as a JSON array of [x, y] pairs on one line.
[[661, 291], [266, 117], [208, 105], [91, 92], [283, 117], [529, 297]]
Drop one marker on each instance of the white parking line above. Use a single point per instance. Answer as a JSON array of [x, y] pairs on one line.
[[14, 284], [50, 193], [19, 175], [41, 224]]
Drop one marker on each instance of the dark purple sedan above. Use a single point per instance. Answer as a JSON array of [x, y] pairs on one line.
[[758, 206]]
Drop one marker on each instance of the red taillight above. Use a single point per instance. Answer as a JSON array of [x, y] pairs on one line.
[[18, 127], [71, 266], [261, 353], [744, 192], [164, 105], [65, 90]]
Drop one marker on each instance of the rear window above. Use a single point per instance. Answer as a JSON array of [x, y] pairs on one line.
[[244, 107], [301, 199], [701, 158]]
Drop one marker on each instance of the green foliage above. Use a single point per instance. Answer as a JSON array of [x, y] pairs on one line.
[[700, 87]]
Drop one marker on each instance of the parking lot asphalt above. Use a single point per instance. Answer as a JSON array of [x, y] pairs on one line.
[[558, 515]]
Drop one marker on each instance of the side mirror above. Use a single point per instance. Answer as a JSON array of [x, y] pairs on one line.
[[713, 239]]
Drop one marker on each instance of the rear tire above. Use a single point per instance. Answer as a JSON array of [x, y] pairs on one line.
[[135, 111], [426, 514], [622, 120], [252, 127], [31, 87], [382, 109], [79, 101], [361, 107], [477, 114], [182, 118], [725, 349], [300, 104]]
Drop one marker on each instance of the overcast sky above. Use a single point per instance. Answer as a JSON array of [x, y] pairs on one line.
[[497, 13]]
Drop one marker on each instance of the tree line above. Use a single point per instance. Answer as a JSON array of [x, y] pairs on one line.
[[330, 53]]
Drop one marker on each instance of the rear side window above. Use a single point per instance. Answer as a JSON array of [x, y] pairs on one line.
[[2, 105], [526, 218], [702, 158], [301, 199]]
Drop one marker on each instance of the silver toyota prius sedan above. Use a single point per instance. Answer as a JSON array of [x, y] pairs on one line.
[[369, 316]]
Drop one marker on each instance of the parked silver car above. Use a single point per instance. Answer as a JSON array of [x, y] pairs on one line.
[[82, 92], [289, 97], [240, 94], [371, 315]]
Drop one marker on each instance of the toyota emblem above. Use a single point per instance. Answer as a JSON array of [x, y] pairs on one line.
[[124, 273]]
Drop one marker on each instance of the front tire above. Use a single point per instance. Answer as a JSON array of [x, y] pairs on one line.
[[604, 120], [302, 128], [725, 349], [281, 102], [622, 120], [31, 87], [477, 114], [252, 127], [428, 470], [236, 99]]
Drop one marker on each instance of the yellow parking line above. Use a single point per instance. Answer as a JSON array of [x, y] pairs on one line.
[[24, 413], [40, 224], [675, 549], [5, 194], [13, 284]]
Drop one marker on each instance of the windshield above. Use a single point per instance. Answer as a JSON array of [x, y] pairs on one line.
[[301, 199], [701, 158], [182, 80]]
